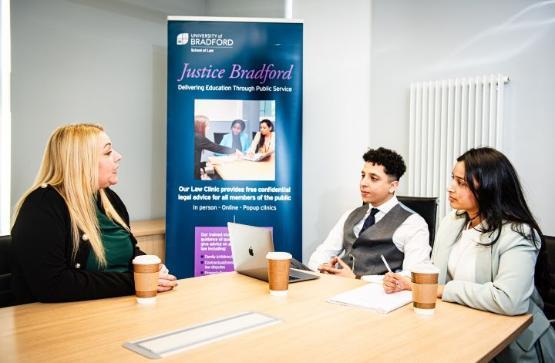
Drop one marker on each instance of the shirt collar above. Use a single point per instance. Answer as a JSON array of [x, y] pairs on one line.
[[387, 206]]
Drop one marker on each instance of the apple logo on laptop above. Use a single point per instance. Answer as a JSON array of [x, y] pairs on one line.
[[251, 251]]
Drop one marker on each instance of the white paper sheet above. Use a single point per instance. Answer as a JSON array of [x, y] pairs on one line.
[[371, 296]]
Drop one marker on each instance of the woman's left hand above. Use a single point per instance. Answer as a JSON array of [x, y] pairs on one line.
[[166, 282]]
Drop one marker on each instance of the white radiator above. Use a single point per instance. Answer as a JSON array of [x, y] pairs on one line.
[[447, 118]]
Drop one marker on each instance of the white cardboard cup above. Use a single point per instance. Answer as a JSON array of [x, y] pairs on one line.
[[278, 256], [146, 260], [425, 268]]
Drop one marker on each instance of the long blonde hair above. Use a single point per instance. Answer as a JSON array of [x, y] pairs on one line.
[[70, 166], [201, 122]]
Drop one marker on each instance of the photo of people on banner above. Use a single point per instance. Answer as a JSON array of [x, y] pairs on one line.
[[234, 140]]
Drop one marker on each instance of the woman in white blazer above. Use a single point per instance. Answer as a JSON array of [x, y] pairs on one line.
[[264, 141], [491, 252]]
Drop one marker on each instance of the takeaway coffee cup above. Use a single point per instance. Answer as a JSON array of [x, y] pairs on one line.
[[278, 272], [145, 272], [424, 288]]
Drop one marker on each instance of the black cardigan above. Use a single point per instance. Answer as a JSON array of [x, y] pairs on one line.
[[43, 267]]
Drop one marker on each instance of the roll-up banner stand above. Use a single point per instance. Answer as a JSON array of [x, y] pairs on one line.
[[234, 137]]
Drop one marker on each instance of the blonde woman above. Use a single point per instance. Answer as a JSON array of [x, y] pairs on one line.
[[203, 143], [71, 237]]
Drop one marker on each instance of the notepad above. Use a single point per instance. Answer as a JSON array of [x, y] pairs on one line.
[[372, 297], [169, 343]]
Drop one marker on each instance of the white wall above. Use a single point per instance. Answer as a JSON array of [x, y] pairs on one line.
[[336, 110], [5, 118], [432, 39], [246, 8], [95, 60], [105, 61], [102, 61], [219, 110]]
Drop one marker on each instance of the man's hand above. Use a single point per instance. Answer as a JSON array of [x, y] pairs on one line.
[[329, 268], [323, 268]]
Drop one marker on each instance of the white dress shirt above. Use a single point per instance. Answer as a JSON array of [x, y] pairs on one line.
[[462, 259], [411, 238]]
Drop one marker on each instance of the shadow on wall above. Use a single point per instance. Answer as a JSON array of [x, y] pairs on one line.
[[158, 132], [509, 38]]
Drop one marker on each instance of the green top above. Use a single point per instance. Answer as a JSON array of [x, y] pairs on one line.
[[117, 246]]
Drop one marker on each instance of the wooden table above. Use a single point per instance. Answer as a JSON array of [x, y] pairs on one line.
[[312, 329], [245, 169]]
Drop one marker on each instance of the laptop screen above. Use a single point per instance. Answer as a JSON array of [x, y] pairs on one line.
[[249, 246]]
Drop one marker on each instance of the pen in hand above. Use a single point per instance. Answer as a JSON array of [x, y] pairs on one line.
[[386, 264], [389, 269]]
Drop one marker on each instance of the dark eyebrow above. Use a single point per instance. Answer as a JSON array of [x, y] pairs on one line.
[[107, 144]]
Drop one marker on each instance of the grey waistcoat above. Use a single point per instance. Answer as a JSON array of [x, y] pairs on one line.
[[377, 240]]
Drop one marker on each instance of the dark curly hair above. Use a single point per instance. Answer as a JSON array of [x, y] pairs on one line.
[[240, 122], [393, 163]]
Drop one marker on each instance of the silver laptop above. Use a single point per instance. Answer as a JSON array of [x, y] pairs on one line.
[[249, 246]]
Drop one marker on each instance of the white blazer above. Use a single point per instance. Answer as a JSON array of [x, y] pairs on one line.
[[270, 145], [504, 285]]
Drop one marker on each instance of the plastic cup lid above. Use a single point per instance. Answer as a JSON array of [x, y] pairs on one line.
[[146, 260], [278, 256], [425, 268]]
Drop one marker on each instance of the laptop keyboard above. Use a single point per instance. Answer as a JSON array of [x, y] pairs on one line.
[[299, 265]]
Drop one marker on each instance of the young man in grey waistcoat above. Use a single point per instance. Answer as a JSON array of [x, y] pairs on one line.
[[382, 226]]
